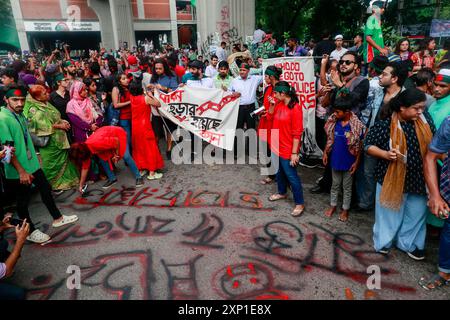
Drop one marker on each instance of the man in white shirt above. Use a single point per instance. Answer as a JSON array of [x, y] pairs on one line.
[[195, 78], [221, 52], [211, 70], [245, 86], [339, 51]]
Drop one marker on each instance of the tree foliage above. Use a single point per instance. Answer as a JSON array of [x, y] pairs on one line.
[[309, 18]]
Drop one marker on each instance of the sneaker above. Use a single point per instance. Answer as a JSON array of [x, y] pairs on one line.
[[156, 176], [143, 173], [139, 182], [317, 190], [109, 184], [65, 220], [417, 255], [384, 251], [38, 236]]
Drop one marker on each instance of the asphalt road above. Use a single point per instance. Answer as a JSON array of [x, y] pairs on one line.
[[209, 232]]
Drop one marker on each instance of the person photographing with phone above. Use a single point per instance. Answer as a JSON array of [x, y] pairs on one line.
[[24, 168], [8, 260]]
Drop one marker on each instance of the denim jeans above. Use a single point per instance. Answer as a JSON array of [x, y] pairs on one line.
[[11, 292], [128, 160], [288, 175], [444, 248], [126, 125], [368, 187]]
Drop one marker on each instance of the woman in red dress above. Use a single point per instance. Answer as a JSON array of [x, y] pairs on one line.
[[145, 149], [272, 77]]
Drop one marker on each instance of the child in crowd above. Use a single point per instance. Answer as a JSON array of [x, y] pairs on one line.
[[344, 141]]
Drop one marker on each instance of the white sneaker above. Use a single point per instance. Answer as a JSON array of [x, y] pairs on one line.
[[38, 236], [143, 173], [65, 220], [156, 176]]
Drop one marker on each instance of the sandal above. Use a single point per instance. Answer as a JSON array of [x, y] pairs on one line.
[[65, 220], [298, 212], [267, 181], [436, 281], [276, 197]]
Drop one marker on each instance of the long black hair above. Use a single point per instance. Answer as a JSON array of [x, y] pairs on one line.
[[167, 71], [117, 84], [406, 99], [291, 93], [136, 88]]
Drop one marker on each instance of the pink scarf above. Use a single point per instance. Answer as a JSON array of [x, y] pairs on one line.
[[79, 106]]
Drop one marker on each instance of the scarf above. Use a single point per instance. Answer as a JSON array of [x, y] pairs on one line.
[[354, 137], [394, 181], [79, 106]]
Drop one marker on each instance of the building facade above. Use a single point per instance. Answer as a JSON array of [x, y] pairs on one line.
[[116, 23]]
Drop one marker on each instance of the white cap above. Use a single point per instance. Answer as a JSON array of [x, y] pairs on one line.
[[445, 72], [339, 37]]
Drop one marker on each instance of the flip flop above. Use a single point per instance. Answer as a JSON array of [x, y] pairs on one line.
[[343, 219], [276, 197], [434, 282], [298, 212]]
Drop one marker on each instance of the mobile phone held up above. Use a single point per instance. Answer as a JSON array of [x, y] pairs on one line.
[[16, 222]]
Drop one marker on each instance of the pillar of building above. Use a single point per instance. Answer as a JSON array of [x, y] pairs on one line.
[[122, 22], [20, 25], [103, 11], [174, 23]]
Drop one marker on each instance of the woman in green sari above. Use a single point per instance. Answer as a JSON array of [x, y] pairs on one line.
[[44, 120]]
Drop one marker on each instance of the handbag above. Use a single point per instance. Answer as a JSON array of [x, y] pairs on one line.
[[39, 141]]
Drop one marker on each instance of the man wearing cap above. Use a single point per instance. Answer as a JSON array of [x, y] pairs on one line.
[[245, 86], [24, 168], [70, 72], [339, 51], [195, 76], [441, 108], [373, 35]]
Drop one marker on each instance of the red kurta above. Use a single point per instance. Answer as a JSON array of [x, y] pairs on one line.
[[264, 124], [103, 143], [145, 149], [289, 123]]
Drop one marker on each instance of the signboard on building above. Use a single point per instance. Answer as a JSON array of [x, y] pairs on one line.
[[440, 28], [54, 26]]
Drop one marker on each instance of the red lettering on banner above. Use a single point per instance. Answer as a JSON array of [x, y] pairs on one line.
[[176, 96], [209, 105]]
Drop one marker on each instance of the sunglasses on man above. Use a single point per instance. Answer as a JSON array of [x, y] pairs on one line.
[[347, 62]]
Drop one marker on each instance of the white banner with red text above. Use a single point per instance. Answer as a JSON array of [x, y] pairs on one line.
[[299, 72], [210, 114]]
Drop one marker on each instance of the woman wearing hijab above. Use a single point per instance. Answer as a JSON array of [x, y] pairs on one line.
[[400, 142], [82, 115], [44, 121]]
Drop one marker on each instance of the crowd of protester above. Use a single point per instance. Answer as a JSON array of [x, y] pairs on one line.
[[382, 122]]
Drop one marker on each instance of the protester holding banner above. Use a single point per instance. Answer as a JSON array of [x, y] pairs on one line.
[[145, 149], [165, 80], [286, 120], [245, 86]]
